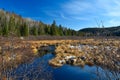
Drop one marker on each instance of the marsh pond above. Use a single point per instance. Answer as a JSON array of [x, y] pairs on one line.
[[39, 69]]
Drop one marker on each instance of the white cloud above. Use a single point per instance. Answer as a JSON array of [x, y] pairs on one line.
[[84, 12], [106, 7], [106, 10], [62, 15], [113, 22], [76, 6], [51, 13], [111, 7], [80, 18]]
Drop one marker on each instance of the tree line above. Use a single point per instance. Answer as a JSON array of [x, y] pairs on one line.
[[12, 24]]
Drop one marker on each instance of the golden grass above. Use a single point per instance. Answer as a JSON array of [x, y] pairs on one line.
[[98, 55], [26, 50]]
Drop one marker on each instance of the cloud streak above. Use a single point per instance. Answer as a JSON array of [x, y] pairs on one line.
[[76, 6], [107, 10], [111, 8]]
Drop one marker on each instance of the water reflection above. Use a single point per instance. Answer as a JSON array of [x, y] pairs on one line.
[[68, 72], [39, 69]]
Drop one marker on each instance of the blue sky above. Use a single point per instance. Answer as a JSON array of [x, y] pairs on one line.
[[75, 14]]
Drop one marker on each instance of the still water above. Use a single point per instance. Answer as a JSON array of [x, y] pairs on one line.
[[39, 69]]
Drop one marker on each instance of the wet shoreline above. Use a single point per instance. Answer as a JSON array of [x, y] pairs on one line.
[[85, 52]]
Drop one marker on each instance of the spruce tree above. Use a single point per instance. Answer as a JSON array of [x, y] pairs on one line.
[[24, 30], [41, 30], [60, 30], [12, 24], [54, 29], [5, 30], [34, 31]]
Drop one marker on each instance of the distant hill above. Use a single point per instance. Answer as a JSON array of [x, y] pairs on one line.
[[12, 24], [111, 31]]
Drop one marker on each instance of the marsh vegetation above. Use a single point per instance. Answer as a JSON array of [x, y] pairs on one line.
[[33, 50], [21, 58]]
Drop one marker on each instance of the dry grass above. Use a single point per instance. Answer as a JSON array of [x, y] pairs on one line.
[[104, 53], [15, 52]]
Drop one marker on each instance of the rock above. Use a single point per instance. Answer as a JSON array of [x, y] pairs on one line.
[[118, 56], [83, 58], [73, 61], [55, 64], [69, 57], [21, 38], [68, 62], [72, 46], [62, 61]]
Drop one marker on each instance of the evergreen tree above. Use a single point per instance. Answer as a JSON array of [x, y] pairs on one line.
[[5, 30], [47, 30], [65, 32], [24, 30], [41, 30], [68, 32], [61, 30], [54, 29], [12, 24], [34, 31], [17, 32]]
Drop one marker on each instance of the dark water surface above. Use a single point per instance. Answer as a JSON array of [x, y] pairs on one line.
[[39, 69]]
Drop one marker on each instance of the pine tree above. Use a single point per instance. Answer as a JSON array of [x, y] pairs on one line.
[[35, 31], [47, 30], [17, 29], [41, 29], [12, 24], [54, 29], [65, 32], [24, 30], [60, 30], [5, 30]]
